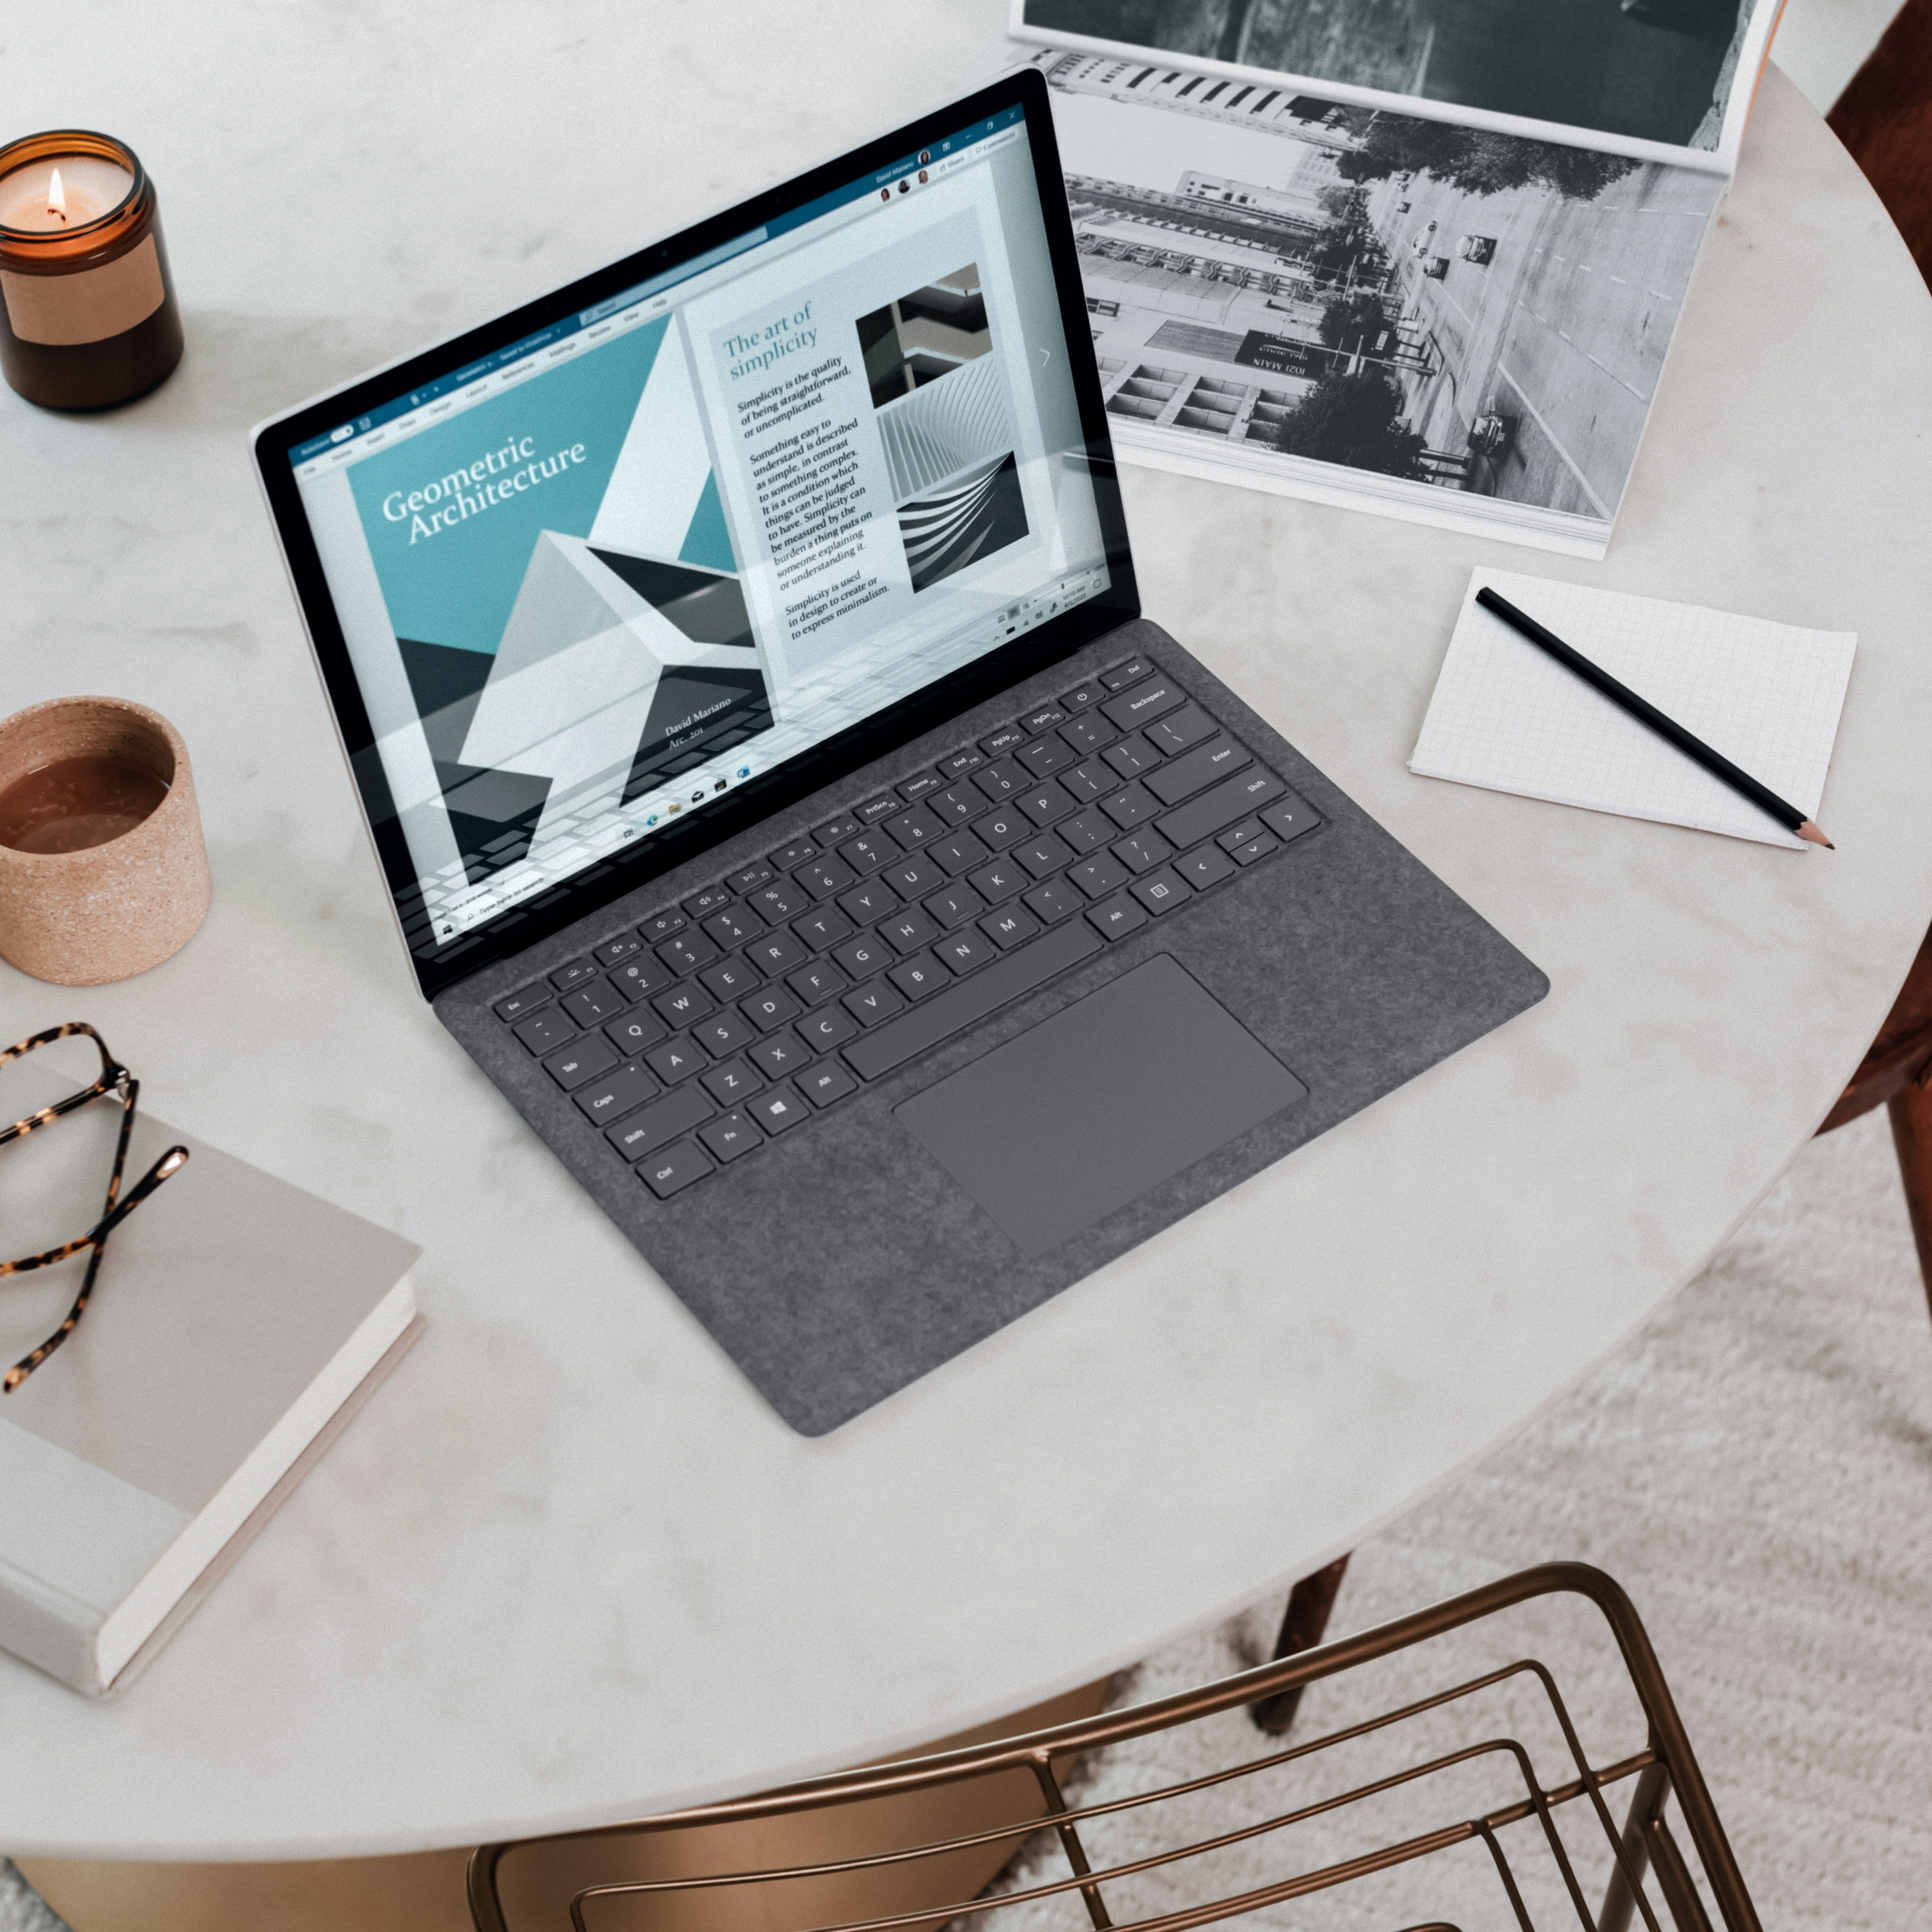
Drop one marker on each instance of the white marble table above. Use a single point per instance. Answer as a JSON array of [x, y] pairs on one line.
[[567, 1566]]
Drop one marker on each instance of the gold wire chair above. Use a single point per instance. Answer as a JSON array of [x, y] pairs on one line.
[[912, 1844]]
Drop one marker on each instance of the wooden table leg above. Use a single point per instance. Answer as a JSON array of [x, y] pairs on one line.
[[1309, 1604], [1911, 1111]]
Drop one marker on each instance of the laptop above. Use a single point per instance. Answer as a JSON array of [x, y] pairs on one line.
[[782, 800]]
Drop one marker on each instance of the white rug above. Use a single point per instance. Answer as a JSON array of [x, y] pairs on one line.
[[1756, 1470]]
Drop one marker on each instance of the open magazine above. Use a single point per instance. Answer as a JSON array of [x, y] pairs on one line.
[[1425, 257]]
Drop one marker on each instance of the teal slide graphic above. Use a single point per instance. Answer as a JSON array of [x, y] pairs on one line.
[[453, 515]]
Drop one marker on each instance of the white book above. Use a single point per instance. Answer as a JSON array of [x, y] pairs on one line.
[[237, 1323]]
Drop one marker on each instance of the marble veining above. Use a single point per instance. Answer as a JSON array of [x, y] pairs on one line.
[[567, 1566]]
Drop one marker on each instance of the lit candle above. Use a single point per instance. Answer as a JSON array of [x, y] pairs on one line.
[[49, 197], [87, 310]]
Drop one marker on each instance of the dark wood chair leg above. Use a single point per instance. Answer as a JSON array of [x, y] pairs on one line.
[[1310, 1603], [1911, 1111]]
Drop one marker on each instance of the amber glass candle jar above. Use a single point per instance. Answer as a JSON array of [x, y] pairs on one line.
[[87, 310]]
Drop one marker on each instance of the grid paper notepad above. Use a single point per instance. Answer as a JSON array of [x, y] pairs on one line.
[[1507, 716]]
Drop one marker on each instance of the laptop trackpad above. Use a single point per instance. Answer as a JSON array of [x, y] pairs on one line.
[[1111, 1096]]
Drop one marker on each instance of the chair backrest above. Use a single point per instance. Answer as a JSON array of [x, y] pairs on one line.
[[1190, 1838]]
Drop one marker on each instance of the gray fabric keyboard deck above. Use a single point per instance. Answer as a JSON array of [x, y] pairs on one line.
[[842, 1261]]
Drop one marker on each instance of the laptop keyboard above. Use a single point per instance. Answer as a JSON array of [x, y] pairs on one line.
[[761, 1002]]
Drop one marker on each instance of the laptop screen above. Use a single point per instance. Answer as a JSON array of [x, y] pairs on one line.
[[593, 582]]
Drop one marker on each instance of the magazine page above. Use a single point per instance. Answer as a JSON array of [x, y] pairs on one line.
[[1445, 324], [1655, 80]]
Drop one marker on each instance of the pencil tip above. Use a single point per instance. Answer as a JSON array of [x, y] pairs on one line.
[[1809, 830]]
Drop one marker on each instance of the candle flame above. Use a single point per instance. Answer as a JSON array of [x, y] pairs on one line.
[[57, 197]]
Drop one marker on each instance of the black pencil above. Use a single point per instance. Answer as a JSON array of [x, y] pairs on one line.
[[1715, 763]]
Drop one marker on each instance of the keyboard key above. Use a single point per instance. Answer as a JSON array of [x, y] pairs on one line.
[[1131, 756], [1082, 695], [615, 952], [1008, 738], [725, 1032], [864, 956], [913, 828], [874, 809], [999, 880], [870, 1004], [1248, 829], [542, 1031], [519, 1005], [1046, 803], [673, 1170], [959, 804], [783, 899], [779, 1054], [574, 974], [830, 833], [733, 926], [675, 1060], [825, 1083], [1221, 806], [1122, 675], [962, 951], [1115, 918], [868, 851], [752, 877], [826, 1028], [1256, 848], [1144, 702], [1208, 867], [638, 1029], [911, 877], [663, 926], [662, 1123], [822, 877], [967, 1001], [729, 978], [683, 1003], [1010, 926], [1219, 758], [907, 930], [612, 1097], [959, 852], [730, 1135], [777, 952], [1089, 831], [961, 763], [1174, 734], [823, 929], [818, 981], [796, 853], [1289, 818], [638, 979], [1128, 807], [957, 904], [1001, 780], [912, 790], [919, 976], [777, 1108], [771, 1008], [1044, 719], [687, 952], [1045, 756], [1002, 826], [582, 1060], [590, 1005], [1090, 780], [872, 900], [732, 1082], [1086, 734], [700, 905], [1053, 900], [1143, 851], [1098, 876], [1162, 891], [1043, 855]]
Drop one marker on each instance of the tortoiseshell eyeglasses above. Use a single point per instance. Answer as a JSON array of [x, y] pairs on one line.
[[115, 1080]]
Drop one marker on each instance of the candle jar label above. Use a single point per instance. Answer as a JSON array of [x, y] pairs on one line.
[[89, 306]]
